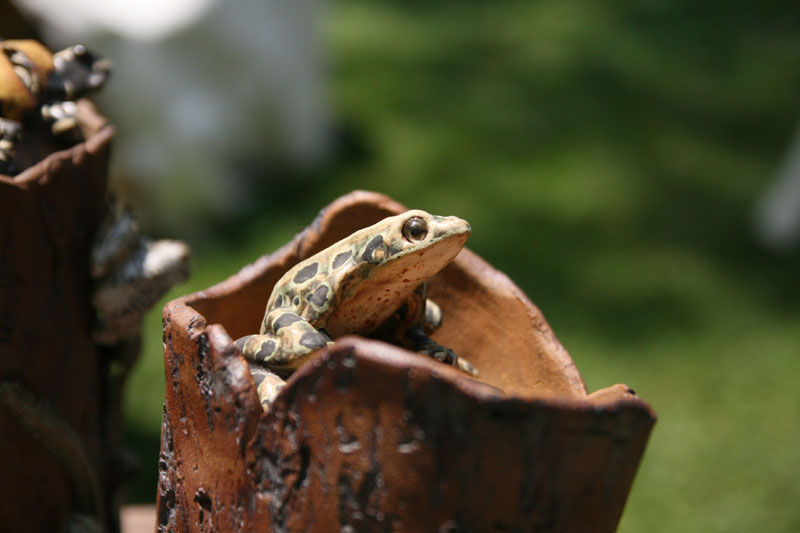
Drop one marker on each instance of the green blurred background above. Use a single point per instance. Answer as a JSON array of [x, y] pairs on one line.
[[609, 157]]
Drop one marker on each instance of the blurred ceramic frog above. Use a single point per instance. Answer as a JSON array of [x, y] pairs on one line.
[[36, 84], [372, 280]]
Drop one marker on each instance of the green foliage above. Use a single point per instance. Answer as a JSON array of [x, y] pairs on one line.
[[608, 157]]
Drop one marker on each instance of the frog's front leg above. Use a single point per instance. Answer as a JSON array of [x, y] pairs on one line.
[[421, 315], [268, 385], [425, 345], [287, 342]]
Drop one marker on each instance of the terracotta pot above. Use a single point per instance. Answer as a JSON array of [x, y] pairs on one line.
[[368, 436], [54, 440]]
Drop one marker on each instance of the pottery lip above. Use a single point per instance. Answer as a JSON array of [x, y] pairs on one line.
[[380, 353], [375, 357], [98, 133]]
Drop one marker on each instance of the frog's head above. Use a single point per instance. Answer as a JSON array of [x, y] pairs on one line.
[[414, 246]]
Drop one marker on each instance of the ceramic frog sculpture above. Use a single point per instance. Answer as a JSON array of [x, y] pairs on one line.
[[36, 84], [373, 280]]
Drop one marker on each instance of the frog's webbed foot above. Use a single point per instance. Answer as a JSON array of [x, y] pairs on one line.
[[268, 385], [443, 354], [427, 346]]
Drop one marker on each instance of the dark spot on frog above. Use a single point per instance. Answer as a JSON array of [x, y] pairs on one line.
[[284, 320], [369, 252], [306, 273], [267, 347], [279, 301], [296, 301], [313, 340], [341, 259], [319, 296], [258, 376]]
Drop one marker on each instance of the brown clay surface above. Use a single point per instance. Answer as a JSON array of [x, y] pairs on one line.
[[47, 215], [371, 437]]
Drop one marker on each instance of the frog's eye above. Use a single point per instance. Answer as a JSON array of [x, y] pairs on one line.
[[415, 229]]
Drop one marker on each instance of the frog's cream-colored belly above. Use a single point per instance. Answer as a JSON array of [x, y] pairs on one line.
[[367, 308], [376, 299]]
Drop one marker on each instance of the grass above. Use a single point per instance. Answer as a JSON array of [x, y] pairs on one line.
[[608, 157]]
